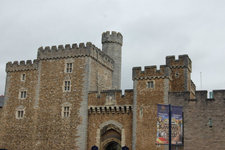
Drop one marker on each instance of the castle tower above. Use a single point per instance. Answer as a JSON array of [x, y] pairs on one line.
[[181, 69], [111, 45], [151, 87]]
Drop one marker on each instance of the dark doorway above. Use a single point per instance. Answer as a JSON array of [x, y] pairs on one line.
[[113, 146]]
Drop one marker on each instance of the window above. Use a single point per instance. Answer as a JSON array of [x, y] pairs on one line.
[[150, 84], [20, 112], [23, 77], [23, 94], [67, 86], [177, 75], [69, 67], [66, 109], [66, 112]]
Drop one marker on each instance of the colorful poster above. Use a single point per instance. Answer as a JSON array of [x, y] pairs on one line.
[[177, 125], [163, 125]]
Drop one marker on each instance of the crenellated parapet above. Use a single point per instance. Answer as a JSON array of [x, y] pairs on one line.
[[183, 61], [22, 65], [75, 50], [112, 37], [151, 72], [201, 99], [217, 95], [110, 98]]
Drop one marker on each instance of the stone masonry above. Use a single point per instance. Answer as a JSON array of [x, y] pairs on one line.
[[70, 98]]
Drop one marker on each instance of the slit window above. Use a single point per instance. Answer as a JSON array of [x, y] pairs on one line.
[[23, 77], [177, 75]]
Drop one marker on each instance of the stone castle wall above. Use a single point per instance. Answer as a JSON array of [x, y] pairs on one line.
[[19, 132], [110, 107], [174, 76], [54, 131], [198, 134], [43, 126], [145, 104]]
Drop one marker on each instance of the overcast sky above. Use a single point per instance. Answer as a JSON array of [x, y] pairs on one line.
[[151, 29]]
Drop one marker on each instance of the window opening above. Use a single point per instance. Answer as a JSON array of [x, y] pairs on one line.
[[23, 94], [150, 84], [20, 114], [66, 111], [69, 67], [23, 77], [67, 85]]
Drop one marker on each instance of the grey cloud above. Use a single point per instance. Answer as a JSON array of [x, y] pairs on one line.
[[151, 30]]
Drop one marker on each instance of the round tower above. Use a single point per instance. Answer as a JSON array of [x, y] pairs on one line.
[[111, 45]]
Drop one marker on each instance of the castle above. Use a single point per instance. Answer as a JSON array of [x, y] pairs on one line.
[[70, 98]]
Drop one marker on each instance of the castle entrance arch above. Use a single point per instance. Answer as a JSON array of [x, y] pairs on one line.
[[113, 146], [110, 137]]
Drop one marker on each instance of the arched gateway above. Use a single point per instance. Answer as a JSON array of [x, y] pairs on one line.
[[113, 146], [110, 136]]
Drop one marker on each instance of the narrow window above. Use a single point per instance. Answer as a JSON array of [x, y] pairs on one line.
[[177, 75], [150, 84], [23, 77], [20, 114], [66, 111], [69, 67], [67, 85], [23, 94]]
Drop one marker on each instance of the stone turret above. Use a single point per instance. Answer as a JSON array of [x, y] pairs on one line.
[[111, 45]]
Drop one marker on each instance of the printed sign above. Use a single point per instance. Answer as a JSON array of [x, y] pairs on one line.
[[177, 125], [163, 124]]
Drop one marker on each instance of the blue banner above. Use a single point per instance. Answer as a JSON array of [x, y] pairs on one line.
[[163, 124]]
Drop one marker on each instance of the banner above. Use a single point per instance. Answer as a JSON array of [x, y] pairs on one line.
[[163, 124]]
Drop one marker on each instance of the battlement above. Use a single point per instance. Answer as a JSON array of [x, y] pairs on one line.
[[202, 100], [110, 98], [151, 72], [22, 65], [75, 50], [183, 61], [183, 98], [217, 95], [112, 37]]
